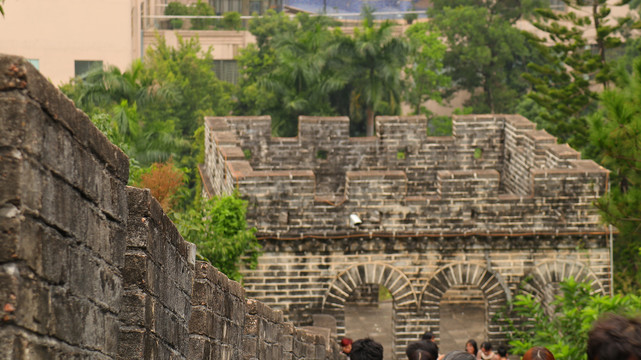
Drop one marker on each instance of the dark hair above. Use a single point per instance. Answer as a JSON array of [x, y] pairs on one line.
[[615, 337], [474, 345], [422, 345], [538, 353], [486, 345], [427, 336], [366, 349], [502, 351], [459, 355], [421, 355]]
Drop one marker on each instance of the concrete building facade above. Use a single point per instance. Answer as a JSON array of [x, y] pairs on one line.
[[62, 38]]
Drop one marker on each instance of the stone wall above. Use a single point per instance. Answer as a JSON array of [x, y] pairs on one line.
[[91, 269], [63, 213], [311, 275], [495, 174], [485, 209]]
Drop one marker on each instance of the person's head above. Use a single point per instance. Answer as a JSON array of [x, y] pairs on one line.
[[615, 337], [421, 355], [502, 351], [426, 346], [346, 345], [459, 355], [486, 347], [366, 349], [428, 336], [471, 347], [538, 353]]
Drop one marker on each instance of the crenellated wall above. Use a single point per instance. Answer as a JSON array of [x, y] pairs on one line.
[[496, 173], [93, 269]]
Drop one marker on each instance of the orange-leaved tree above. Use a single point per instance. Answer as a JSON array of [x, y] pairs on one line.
[[164, 180]]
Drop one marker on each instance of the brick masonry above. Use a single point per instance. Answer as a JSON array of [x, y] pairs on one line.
[[494, 204], [93, 269]]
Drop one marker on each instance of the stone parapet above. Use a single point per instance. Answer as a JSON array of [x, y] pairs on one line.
[[157, 273], [63, 214], [467, 182]]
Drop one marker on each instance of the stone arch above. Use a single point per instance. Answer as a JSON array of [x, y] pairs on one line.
[[370, 273], [405, 301], [494, 291], [551, 272]]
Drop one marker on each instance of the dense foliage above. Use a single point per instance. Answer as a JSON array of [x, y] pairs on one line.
[[564, 83], [307, 65], [486, 54], [230, 20], [425, 69], [616, 132], [563, 326], [218, 228]]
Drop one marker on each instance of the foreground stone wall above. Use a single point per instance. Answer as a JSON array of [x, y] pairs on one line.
[[91, 269], [63, 213]]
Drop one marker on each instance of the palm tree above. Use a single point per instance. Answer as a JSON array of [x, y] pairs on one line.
[[113, 99], [101, 87], [374, 59], [302, 77]]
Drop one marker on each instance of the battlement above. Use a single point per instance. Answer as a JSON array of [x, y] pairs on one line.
[[495, 174]]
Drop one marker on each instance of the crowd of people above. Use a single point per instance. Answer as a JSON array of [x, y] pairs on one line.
[[611, 338]]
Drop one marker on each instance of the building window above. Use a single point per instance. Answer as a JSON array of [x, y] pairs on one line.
[[255, 7], [226, 70], [557, 5], [225, 6], [82, 66], [35, 63]]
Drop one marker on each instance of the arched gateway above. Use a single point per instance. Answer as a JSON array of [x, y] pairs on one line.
[[347, 281], [495, 204], [495, 294]]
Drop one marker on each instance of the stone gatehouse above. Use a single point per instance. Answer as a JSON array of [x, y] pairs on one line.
[[478, 212]]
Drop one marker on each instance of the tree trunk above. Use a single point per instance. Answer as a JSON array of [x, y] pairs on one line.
[[369, 129]]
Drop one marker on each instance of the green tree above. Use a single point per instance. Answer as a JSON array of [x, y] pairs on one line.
[[113, 100], [218, 228], [562, 84], [291, 72], [256, 61], [616, 133], [303, 77], [231, 21], [563, 327], [100, 87], [373, 59], [425, 69], [187, 69], [176, 8], [485, 50], [265, 28], [202, 9]]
